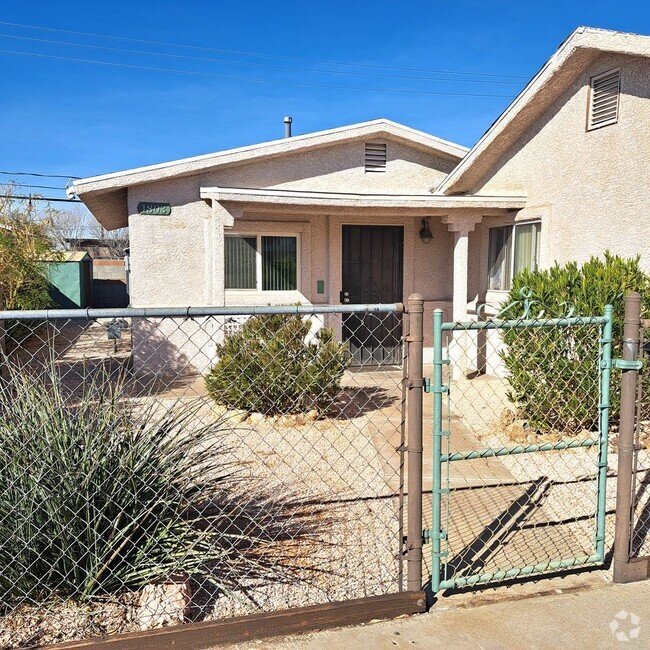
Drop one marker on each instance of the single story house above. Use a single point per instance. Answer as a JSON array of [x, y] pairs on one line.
[[372, 212]]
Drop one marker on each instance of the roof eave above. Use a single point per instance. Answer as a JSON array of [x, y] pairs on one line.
[[280, 147], [582, 39], [283, 197]]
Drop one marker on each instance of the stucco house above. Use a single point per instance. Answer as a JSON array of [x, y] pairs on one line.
[[375, 211]]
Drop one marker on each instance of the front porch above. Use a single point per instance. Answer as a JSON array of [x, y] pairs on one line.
[[336, 266]]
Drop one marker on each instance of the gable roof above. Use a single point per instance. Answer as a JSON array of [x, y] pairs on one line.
[[105, 195], [583, 46]]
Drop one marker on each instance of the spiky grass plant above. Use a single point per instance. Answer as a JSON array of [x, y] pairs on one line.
[[100, 496]]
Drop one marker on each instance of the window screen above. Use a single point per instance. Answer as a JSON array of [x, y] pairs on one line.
[[279, 264], [241, 256]]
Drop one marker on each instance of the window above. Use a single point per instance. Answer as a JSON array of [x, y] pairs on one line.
[[261, 263], [604, 90], [375, 157], [512, 249]]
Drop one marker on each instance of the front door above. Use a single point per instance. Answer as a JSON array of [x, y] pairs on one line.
[[373, 262]]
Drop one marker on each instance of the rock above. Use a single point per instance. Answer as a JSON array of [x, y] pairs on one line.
[[236, 416], [256, 418], [517, 431], [312, 415], [164, 603]]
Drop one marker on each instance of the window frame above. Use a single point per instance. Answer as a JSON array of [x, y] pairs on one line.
[[512, 239], [258, 261]]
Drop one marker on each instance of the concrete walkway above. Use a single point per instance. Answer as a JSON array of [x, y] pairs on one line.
[[586, 616]]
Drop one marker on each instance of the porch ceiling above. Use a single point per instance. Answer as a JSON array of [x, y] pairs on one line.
[[429, 203]]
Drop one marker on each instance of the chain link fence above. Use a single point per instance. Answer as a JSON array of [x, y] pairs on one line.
[[163, 466], [522, 452], [640, 524]]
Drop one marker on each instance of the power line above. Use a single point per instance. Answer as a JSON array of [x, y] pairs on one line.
[[40, 174], [250, 79], [259, 54], [40, 187], [254, 64], [38, 198]]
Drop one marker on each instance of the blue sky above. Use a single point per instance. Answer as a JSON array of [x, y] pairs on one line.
[[71, 117]]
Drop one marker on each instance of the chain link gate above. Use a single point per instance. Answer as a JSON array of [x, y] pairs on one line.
[[520, 430]]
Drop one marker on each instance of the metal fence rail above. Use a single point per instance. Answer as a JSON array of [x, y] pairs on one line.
[[168, 465]]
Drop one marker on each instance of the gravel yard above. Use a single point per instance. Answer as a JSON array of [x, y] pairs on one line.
[[327, 488], [568, 476]]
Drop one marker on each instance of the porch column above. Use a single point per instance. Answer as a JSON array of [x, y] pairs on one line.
[[461, 226], [223, 217], [462, 348]]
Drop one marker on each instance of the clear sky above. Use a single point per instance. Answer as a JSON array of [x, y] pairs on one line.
[[67, 116]]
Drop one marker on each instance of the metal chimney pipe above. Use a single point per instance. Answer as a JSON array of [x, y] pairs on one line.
[[287, 126]]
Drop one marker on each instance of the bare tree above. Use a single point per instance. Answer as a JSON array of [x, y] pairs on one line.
[[115, 241], [70, 227], [76, 226]]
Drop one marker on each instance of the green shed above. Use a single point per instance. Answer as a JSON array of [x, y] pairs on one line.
[[71, 278]]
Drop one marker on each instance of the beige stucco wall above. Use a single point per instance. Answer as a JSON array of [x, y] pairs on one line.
[[172, 263], [168, 254], [590, 188]]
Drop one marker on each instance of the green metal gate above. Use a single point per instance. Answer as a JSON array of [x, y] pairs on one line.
[[520, 428]]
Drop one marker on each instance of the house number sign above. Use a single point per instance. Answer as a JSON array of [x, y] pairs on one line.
[[157, 209]]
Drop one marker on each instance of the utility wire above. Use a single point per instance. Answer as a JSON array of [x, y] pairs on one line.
[[40, 187], [250, 79], [259, 54], [40, 174], [38, 198], [254, 64]]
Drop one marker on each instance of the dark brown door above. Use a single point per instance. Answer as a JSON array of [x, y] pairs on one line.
[[373, 262]]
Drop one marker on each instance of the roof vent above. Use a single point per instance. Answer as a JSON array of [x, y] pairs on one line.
[[375, 157], [603, 99]]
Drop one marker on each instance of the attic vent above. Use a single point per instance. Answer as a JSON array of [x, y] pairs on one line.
[[603, 99], [375, 157]]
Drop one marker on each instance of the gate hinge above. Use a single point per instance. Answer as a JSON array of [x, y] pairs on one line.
[[623, 364]]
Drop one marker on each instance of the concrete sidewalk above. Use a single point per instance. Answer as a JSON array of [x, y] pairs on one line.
[[588, 617]]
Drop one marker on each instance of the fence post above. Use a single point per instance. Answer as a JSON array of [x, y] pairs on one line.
[[415, 386], [624, 570], [2, 340]]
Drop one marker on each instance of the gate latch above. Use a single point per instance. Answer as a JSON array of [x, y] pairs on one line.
[[428, 535], [626, 364], [430, 388]]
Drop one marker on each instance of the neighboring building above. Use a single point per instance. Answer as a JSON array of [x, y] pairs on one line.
[[110, 281], [70, 275], [343, 215]]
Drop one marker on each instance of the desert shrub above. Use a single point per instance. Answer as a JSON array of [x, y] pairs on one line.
[[553, 372], [96, 496], [270, 366]]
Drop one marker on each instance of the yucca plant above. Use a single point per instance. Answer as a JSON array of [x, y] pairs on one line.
[[99, 496]]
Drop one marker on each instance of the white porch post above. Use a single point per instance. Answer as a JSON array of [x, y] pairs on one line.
[[462, 352], [223, 217], [461, 225], [461, 260]]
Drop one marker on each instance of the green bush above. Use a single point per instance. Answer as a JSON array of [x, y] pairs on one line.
[[271, 367], [97, 497], [553, 372]]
